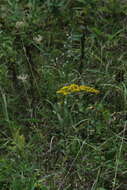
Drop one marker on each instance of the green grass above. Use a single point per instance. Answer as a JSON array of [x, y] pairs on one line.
[[49, 141]]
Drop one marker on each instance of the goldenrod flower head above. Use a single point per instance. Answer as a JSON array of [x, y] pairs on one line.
[[89, 89], [76, 88]]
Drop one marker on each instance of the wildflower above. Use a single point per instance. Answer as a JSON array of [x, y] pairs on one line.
[[38, 39], [23, 77], [20, 24], [89, 89], [68, 89], [76, 88]]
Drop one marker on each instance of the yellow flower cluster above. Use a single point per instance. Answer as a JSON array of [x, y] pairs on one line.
[[76, 88]]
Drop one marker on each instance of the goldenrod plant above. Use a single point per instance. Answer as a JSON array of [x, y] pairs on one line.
[[76, 88]]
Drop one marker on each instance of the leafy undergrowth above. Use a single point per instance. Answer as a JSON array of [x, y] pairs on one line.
[[63, 91]]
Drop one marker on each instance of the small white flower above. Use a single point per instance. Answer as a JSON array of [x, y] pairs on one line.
[[23, 77], [38, 39], [20, 24]]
